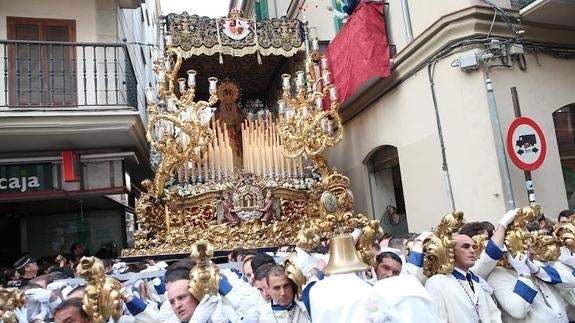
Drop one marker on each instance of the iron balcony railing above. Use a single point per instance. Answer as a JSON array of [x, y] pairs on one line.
[[44, 74], [520, 4]]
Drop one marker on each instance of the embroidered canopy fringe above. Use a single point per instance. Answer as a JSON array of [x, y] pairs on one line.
[[194, 35]]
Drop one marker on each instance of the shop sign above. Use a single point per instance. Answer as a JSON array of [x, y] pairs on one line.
[[25, 178]]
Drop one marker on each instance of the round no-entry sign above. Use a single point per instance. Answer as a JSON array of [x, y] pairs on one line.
[[526, 143]]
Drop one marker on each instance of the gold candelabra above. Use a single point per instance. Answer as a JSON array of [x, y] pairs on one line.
[[178, 127], [307, 123]]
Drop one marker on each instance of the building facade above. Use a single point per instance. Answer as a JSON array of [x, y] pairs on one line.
[[72, 123], [427, 141]]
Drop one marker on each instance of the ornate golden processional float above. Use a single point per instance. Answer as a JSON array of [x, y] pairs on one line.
[[236, 169]]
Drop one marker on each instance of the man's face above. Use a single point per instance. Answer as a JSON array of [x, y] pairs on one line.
[[280, 289], [564, 219], [387, 268], [248, 272], [69, 315], [262, 287], [78, 250], [182, 302], [464, 252], [32, 268]]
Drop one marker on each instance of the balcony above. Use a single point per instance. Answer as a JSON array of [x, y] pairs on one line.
[[557, 13], [520, 4], [68, 96], [62, 75]]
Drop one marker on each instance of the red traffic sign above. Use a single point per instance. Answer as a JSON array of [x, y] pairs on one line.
[[526, 143]]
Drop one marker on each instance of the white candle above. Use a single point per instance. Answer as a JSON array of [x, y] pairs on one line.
[[182, 83], [191, 78], [150, 95], [318, 102], [299, 79], [286, 81], [213, 84], [315, 44], [323, 62], [325, 76], [332, 93]]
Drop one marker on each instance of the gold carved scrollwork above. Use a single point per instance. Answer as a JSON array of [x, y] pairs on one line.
[[565, 233], [370, 233], [438, 248], [205, 275], [10, 299], [102, 299]]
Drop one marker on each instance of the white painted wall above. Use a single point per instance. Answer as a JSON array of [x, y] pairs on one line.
[[544, 87], [405, 118]]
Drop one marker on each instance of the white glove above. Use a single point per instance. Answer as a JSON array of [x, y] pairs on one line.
[[424, 235], [519, 263], [39, 295], [508, 217], [305, 262], [566, 257], [533, 268], [355, 234], [205, 309], [21, 314], [56, 286]]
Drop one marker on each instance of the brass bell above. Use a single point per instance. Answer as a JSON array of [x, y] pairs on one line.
[[343, 257]]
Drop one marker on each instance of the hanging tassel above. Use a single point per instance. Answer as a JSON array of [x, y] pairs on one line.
[[259, 58], [221, 59]]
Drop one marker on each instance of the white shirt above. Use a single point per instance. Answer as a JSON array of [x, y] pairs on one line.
[[455, 302], [297, 314], [524, 299], [567, 285], [407, 298], [340, 298]]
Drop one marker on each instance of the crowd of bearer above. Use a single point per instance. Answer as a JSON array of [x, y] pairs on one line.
[[256, 287]]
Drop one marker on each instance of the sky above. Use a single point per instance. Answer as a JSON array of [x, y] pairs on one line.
[[211, 8]]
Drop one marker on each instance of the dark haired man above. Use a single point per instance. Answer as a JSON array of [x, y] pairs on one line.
[[388, 265], [27, 268], [184, 305], [282, 291], [70, 311], [564, 216]]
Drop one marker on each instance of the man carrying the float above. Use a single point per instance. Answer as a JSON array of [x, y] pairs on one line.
[[524, 289]]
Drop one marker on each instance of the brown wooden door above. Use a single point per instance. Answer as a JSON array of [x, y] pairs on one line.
[[42, 74]]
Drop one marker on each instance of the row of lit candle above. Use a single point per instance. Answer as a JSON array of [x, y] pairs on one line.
[[262, 151]]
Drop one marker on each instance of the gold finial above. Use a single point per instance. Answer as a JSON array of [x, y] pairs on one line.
[[102, 299], [369, 234], [517, 236], [438, 248], [308, 239], [205, 275]]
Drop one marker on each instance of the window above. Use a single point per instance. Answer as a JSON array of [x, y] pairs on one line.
[[42, 74], [564, 120]]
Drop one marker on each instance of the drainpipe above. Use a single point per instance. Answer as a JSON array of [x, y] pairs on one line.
[[445, 170], [407, 21], [499, 144]]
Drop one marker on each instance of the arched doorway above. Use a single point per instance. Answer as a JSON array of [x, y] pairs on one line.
[[387, 190], [564, 120]]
